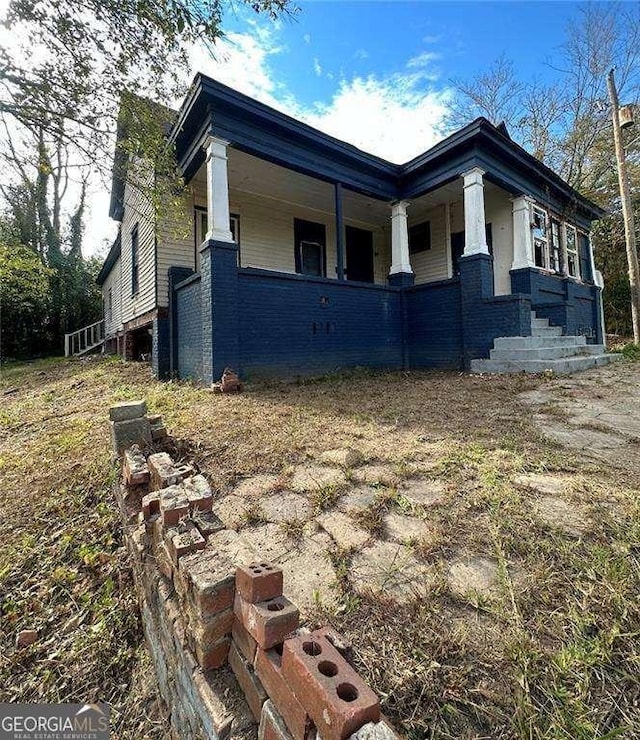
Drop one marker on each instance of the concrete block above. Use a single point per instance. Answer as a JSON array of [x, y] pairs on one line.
[[129, 432], [128, 410]]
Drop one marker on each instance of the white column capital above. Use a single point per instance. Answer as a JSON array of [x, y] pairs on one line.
[[473, 177], [520, 202], [399, 207], [216, 147]]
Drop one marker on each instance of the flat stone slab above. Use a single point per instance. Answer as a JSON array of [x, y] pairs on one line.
[[344, 531], [312, 477], [286, 507], [392, 570], [234, 546], [473, 573], [344, 457], [556, 512], [406, 529], [256, 485], [421, 492], [376, 475], [269, 541], [358, 499], [547, 484], [309, 578], [232, 510]]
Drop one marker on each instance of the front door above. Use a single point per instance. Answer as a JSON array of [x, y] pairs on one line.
[[359, 253]]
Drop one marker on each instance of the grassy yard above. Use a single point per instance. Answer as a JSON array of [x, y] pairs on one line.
[[552, 652]]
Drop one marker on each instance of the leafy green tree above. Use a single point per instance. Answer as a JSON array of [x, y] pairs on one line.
[[24, 302]]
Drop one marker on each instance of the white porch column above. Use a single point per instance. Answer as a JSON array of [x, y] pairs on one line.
[[522, 234], [399, 238], [475, 239], [217, 191]]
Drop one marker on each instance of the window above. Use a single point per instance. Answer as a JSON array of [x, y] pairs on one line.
[[110, 305], [201, 227], [420, 237], [556, 261], [310, 248], [573, 265], [540, 238], [134, 261]]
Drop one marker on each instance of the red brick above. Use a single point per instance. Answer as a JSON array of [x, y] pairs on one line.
[[272, 726], [244, 642], [213, 655], [163, 560], [339, 642], [268, 665], [337, 699], [268, 622], [249, 683], [150, 505], [187, 540], [198, 492], [134, 467], [205, 639], [208, 582], [259, 581], [174, 505], [163, 471]]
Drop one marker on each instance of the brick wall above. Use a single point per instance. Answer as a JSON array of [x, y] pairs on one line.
[[212, 609], [160, 349], [188, 329], [434, 330], [296, 325], [573, 306]]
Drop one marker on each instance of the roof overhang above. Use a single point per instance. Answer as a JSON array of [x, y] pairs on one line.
[[110, 261]]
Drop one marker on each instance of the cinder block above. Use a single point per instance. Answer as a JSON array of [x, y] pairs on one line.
[[334, 695], [174, 505], [249, 683], [198, 492], [163, 471], [150, 505], [268, 622], [259, 581], [134, 467], [129, 432], [268, 667], [243, 641], [208, 582], [128, 410], [272, 725]]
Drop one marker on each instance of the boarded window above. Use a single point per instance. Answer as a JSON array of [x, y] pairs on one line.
[[420, 237]]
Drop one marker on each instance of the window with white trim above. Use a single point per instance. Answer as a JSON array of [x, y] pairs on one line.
[[540, 227], [573, 262], [555, 247]]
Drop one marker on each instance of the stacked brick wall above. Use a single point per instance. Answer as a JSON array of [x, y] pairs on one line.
[[210, 604]]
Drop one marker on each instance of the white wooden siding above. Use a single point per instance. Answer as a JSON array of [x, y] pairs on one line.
[[432, 264], [113, 282], [138, 209], [267, 233], [499, 213], [176, 245]]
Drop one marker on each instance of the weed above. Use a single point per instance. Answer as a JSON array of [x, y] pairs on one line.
[[293, 529]]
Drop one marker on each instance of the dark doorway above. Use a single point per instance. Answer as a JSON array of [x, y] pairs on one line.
[[457, 246], [310, 245], [359, 252]]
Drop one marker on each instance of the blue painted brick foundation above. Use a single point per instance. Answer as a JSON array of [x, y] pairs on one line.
[[160, 349], [189, 328]]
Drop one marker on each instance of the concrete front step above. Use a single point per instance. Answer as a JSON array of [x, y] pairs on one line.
[[562, 366], [537, 323], [537, 342], [547, 353], [546, 331]]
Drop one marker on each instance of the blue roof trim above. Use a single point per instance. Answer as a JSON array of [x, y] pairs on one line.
[[110, 261]]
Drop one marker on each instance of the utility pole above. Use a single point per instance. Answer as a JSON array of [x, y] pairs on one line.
[[627, 210]]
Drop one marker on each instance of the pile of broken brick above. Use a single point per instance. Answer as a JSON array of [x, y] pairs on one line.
[[298, 683]]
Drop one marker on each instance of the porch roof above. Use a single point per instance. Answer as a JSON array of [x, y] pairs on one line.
[[264, 132]]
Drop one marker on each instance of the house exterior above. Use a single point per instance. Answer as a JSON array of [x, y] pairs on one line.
[[300, 254]]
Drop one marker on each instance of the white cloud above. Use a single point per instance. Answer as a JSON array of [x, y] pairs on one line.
[[423, 60], [317, 68], [361, 54], [307, 38]]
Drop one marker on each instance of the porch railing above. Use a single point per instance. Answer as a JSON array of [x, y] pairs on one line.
[[84, 340]]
